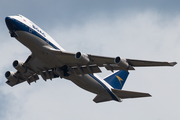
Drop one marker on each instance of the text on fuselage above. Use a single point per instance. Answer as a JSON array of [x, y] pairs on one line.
[[36, 28]]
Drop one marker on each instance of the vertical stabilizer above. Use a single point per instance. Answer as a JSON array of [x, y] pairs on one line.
[[117, 79]]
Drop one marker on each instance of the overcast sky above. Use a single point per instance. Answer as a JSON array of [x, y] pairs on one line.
[[138, 29]]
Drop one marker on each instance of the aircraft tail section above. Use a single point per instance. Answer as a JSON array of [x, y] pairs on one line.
[[121, 94], [117, 79]]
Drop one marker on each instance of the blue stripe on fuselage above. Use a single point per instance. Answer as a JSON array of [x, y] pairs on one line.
[[19, 26], [105, 87]]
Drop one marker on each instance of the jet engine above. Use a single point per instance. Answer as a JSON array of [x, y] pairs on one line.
[[11, 77], [122, 63], [19, 66], [82, 57]]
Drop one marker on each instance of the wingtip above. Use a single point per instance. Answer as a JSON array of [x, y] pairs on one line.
[[173, 63], [149, 95]]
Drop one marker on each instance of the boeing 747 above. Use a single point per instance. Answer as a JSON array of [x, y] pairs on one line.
[[49, 60]]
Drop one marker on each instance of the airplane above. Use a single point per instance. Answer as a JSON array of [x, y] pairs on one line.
[[49, 60]]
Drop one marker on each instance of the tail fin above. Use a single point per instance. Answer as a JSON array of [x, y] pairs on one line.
[[117, 79]]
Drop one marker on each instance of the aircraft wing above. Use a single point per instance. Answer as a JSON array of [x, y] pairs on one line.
[[77, 63], [70, 59], [110, 63], [29, 71]]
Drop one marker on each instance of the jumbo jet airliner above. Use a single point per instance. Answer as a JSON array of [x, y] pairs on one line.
[[49, 61]]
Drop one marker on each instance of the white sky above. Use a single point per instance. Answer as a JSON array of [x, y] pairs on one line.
[[140, 29]]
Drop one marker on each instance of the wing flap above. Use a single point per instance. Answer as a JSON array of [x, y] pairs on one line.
[[115, 67], [129, 94], [86, 69]]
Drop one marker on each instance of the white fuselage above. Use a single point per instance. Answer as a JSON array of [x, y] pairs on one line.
[[41, 44]]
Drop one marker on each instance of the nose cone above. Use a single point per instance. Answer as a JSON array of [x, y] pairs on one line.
[[9, 23], [13, 23]]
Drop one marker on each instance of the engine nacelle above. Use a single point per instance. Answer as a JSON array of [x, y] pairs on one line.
[[10, 76], [82, 57], [122, 63], [19, 66]]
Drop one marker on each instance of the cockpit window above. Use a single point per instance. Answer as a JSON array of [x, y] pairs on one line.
[[19, 15]]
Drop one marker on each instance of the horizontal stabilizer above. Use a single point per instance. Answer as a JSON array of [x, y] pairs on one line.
[[115, 67], [88, 69], [100, 98], [129, 94]]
